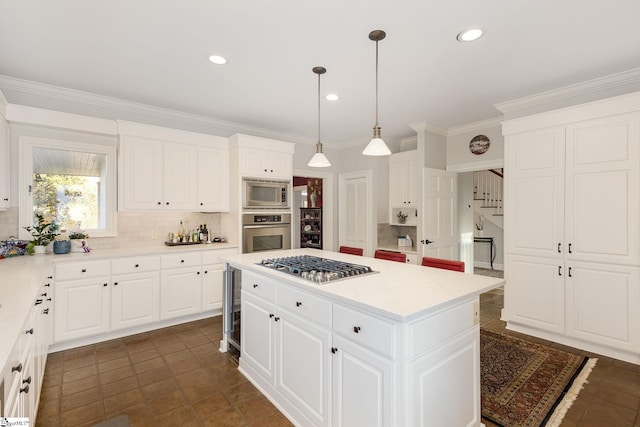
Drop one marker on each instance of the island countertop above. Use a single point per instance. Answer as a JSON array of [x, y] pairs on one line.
[[399, 292]]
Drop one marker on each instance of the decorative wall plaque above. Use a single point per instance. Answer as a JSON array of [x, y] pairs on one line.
[[479, 144]]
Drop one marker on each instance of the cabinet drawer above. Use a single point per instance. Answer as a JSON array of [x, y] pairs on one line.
[[188, 259], [258, 286], [82, 270], [213, 257], [306, 305], [375, 334], [135, 264]]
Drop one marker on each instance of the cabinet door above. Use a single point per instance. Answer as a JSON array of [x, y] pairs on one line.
[[397, 190], [412, 183], [135, 300], [180, 176], [253, 163], [451, 373], [81, 308], [213, 180], [363, 386], [602, 204], [280, 165], [180, 292], [535, 294], [304, 370], [212, 283], [602, 304], [141, 173], [5, 176], [534, 193], [258, 335]]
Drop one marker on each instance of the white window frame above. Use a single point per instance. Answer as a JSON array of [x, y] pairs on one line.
[[109, 180]]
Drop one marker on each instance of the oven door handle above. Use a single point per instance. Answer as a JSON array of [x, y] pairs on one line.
[[267, 226]]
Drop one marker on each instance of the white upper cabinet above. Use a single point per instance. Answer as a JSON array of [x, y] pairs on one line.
[[264, 158], [171, 170], [404, 182], [213, 179], [5, 176]]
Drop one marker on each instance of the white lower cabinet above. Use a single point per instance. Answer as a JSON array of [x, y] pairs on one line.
[[180, 292], [212, 283], [135, 299], [82, 308], [324, 363], [23, 374], [362, 386]]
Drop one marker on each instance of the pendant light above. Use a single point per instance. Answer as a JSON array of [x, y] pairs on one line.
[[376, 147], [319, 160]]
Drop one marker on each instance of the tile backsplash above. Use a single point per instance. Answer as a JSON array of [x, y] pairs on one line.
[[135, 229], [388, 234]]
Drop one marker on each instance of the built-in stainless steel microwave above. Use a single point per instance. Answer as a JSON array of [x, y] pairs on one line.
[[266, 194]]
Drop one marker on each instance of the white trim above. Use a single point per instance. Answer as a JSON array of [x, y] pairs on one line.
[[424, 126], [372, 237], [327, 204], [591, 110], [25, 159], [56, 119], [3, 105], [587, 87], [168, 134], [475, 126], [224, 128], [477, 166]]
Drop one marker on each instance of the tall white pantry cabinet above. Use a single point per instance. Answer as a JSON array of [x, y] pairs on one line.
[[572, 226]]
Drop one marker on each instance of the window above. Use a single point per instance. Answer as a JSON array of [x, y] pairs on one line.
[[70, 182]]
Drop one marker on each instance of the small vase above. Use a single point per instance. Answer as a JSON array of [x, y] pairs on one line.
[[480, 233], [76, 245], [62, 247], [39, 249], [313, 198]]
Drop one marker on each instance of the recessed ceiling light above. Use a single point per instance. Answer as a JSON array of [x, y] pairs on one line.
[[218, 60], [332, 97], [469, 35]]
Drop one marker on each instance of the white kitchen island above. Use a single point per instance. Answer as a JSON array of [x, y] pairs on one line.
[[396, 348]]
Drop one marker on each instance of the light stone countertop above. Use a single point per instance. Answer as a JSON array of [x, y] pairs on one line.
[[21, 277], [400, 292]]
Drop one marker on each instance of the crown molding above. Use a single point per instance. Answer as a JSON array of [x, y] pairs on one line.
[[578, 89], [424, 126], [3, 104], [476, 126], [218, 127]]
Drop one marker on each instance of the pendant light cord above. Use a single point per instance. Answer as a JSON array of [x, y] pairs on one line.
[[376, 82], [318, 107]]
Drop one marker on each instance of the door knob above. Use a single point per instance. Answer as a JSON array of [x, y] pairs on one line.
[[426, 241]]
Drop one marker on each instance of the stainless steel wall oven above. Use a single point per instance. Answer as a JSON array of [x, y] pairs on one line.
[[266, 232]]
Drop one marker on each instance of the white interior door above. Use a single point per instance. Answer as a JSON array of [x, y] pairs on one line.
[[439, 237], [356, 211]]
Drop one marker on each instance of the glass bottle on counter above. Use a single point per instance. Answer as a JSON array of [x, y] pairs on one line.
[[181, 235]]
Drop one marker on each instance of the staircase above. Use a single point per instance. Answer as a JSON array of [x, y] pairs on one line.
[[487, 195]]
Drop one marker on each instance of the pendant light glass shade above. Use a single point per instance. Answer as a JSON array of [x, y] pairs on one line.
[[376, 146], [319, 160]]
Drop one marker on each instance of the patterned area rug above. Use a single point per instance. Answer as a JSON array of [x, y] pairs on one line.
[[524, 384]]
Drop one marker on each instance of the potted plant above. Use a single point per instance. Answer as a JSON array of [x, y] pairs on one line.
[[61, 244], [43, 233], [78, 240]]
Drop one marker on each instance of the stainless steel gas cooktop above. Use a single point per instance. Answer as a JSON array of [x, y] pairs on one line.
[[316, 269]]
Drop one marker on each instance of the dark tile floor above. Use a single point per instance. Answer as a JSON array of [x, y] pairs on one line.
[[176, 377], [610, 399], [170, 377]]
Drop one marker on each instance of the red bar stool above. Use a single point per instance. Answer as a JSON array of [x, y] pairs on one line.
[[446, 264], [350, 250], [391, 256]]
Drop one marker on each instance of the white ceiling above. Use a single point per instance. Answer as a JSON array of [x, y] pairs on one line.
[[156, 52]]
